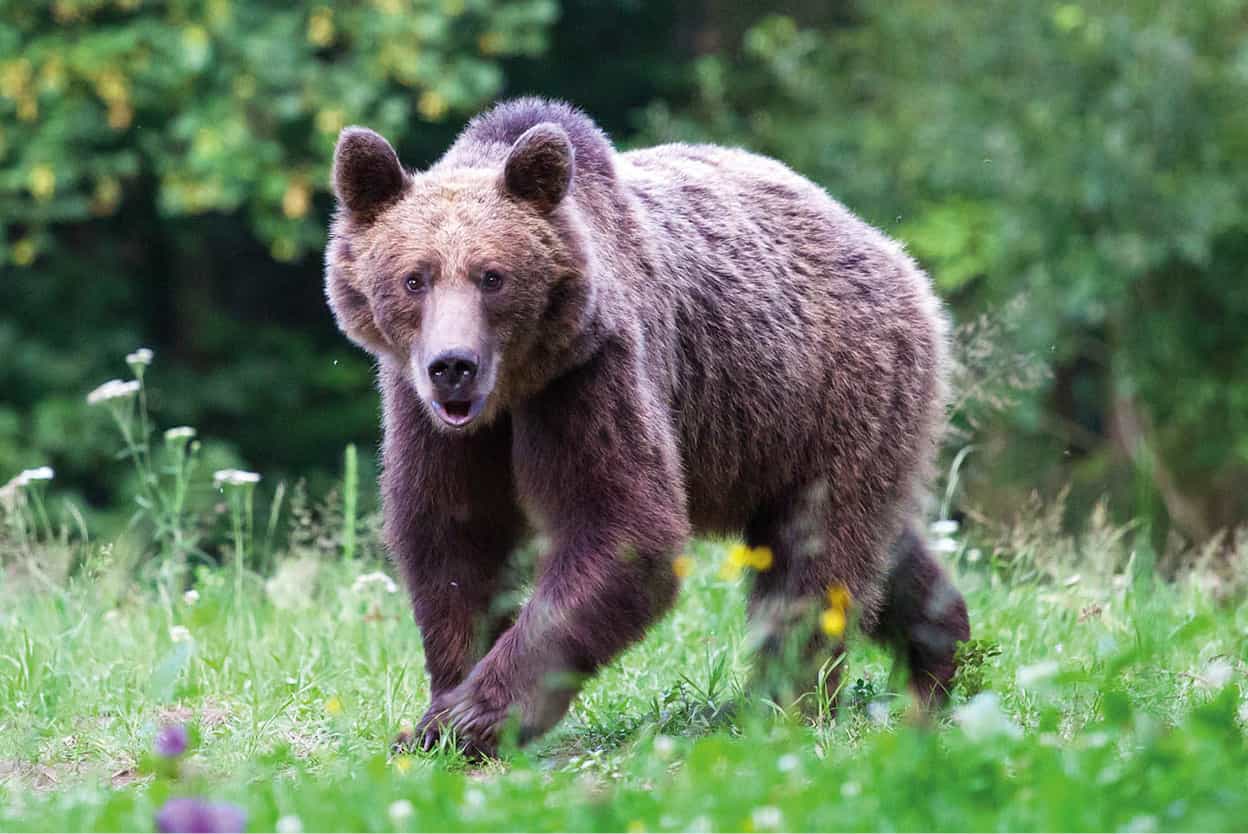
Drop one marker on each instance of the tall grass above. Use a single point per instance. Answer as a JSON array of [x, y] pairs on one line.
[[1092, 695]]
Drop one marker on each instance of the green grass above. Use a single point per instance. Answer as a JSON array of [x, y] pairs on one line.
[[1121, 707]]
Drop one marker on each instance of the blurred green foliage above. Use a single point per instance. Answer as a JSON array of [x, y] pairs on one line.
[[228, 106], [163, 181]]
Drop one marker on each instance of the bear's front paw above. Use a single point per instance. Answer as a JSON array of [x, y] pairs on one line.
[[474, 713]]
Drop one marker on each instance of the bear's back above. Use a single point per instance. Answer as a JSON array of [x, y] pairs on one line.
[[790, 329]]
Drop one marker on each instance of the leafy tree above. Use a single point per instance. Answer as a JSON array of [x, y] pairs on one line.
[[163, 181], [229, 105]]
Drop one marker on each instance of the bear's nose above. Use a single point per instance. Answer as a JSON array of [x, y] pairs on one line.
[[453, 372]]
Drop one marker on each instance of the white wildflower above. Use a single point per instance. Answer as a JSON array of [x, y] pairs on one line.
[[1141, 823], [289, 824], [399, 811], [944, 527], [788, 762], [474, 798], [1036, 675], [178, 433], [23, 479], [1217, 674], [114, 389], [292, 585], [234, 477], [179, 634], [142, 356], [664, 746], [1091, 740], [29, 476], [851, 789], [945, 546], [982, 718], [191, 597], [364, 580], [767, 817]]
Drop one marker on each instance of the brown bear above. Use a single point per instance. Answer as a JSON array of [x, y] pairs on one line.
[[615, 350]]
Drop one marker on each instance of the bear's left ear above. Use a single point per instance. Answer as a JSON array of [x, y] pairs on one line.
[[540, 165]]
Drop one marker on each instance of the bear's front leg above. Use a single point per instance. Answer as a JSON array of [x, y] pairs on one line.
[[601, 473], [452, 521], [592, 601]]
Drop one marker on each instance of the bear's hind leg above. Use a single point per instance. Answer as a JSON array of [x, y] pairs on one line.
[[803, 598], [924, 617]]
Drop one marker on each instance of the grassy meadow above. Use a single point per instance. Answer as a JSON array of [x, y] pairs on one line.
[[1094, 695]]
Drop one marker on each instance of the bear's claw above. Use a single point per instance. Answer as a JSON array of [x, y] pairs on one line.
[[465, 712]]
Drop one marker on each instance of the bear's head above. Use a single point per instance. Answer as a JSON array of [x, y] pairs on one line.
[[472, 280]]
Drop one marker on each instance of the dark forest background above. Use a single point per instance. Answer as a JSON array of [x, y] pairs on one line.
[[1073, 175]]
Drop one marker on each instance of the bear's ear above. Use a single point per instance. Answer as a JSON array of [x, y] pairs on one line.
[[367, 173], [540, 165]]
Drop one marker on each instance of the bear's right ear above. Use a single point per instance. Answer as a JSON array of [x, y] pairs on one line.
[[540, 165], [367, 173]]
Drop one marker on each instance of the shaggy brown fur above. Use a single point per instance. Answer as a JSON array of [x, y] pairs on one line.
[[615, 350]]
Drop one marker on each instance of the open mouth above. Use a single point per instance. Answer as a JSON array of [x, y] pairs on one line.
[[458, 413]]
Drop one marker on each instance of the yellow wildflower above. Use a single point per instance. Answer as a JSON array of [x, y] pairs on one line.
[[740, 557], [682, 566], [403, 764], [760, 558], [333, 706], [832, 621], [839, 596]]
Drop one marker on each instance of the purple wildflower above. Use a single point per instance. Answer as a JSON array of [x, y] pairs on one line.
[[171, 741], [195, 815]]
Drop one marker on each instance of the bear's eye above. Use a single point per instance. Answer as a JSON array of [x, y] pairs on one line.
[[415, 282], [491, 280]]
